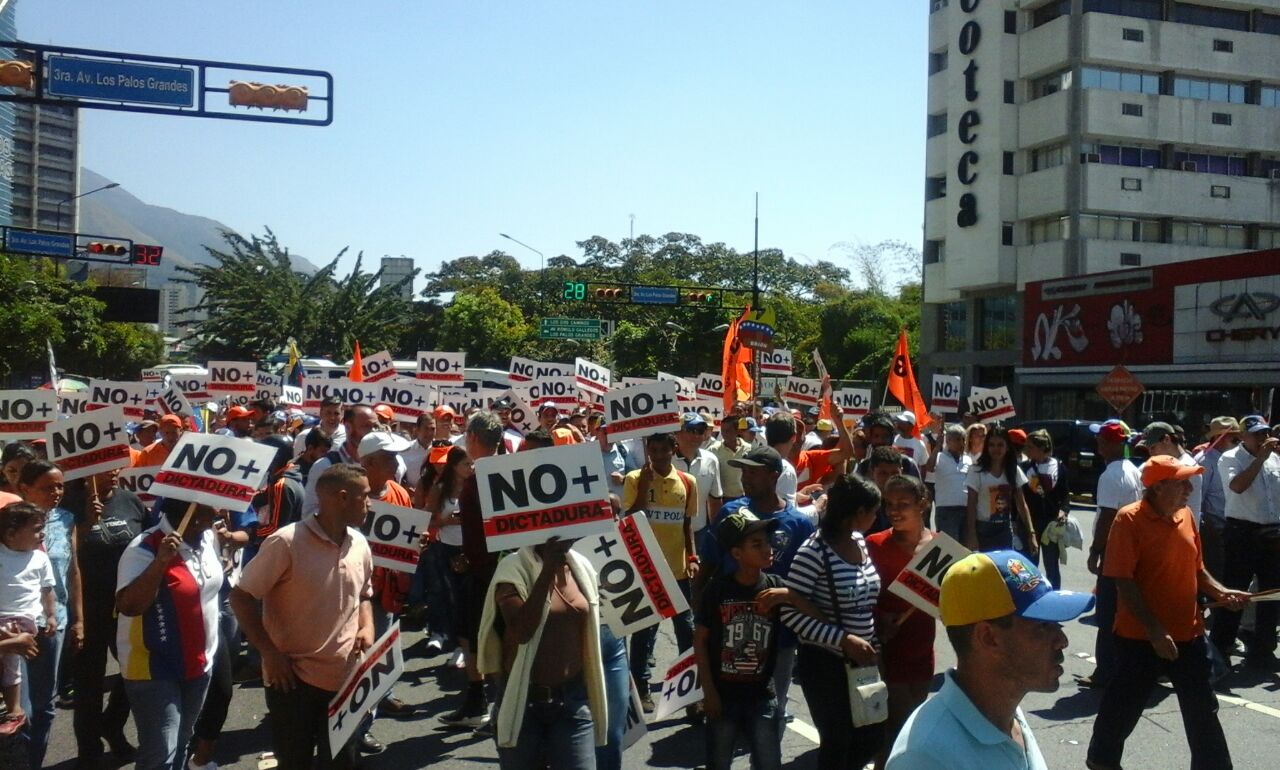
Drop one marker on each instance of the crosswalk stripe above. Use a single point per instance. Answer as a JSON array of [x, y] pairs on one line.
[[803, 729]]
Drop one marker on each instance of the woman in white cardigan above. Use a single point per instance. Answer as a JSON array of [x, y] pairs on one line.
[[541, 631]]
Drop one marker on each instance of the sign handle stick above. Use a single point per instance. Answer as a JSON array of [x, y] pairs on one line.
[[186, 519], [1258, 595], [93, 486]]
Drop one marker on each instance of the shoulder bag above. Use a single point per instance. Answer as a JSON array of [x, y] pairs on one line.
[[868, 694]]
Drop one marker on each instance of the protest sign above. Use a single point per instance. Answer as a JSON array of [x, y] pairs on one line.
[[408, 398], [130, 396], [802, 391], [820, 365], [154, 375], [349, 392], [213, 470], [946, 394], [776, 362], [394, 534], [194, 386], [680, 687], [853, 402], [139, 481], [711, 409], [527, 370], [171, 401], [366, 686], [73, 403], [710, 385], [527, 497], [627, 382], [634, 728], [642, 411], [560, 390], [460, 400], [522, 418], [25, 414], [920, 582], [591, 377], [267, 386], [991, 405], [89, 443], [637, 588], [378, 367], [291, 396], [686, 390], [232, 378], [442, 367]]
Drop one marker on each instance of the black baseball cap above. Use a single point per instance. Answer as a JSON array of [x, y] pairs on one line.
[[741, 524], [760, 457]]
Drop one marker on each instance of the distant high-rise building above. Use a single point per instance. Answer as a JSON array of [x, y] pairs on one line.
[[175, 297], [8, 31], [395, 269], [46, 168]]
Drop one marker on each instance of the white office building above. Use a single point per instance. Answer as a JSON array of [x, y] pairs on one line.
[[1072, 137], [395, 269], [175, 297]]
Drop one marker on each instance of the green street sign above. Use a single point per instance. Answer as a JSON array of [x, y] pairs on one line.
[[570, 329]]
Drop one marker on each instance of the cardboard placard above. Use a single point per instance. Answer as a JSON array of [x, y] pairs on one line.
[[686, 389], [528, 497], [802, 391], [351, 393], [408, 398], [394, 534], [26, 414], [73, 403], [920, 582], [291, 396], [560, 390], [233, 378], [641, 411], [460, 400], [139, 481], [709, 385], [853, 402], [172, 401], [378, 367], [627, 382], [154, 375], [637, 587], [365, 687], [442, 367], [214, 470], [89, 443], [776, 362], [991, 405], [680, 687], [267, 386], [129, 396], [634, 728], [194, 386], [591, 377], [946, 394], [522, 418], [711, 409], [527, 370]]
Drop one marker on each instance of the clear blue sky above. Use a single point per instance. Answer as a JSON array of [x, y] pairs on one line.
[[550, 121]]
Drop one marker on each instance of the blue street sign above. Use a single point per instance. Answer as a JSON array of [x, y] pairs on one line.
[[77, 78], [39, 244], [654, 295]]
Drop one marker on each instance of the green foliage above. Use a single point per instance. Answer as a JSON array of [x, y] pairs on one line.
[[488, 327]]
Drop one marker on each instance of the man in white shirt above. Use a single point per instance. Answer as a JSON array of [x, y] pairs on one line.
[[691, 458], [904, 423], [1250, 476], [951, 466], [416, 455], [780, 434], [330, 425]]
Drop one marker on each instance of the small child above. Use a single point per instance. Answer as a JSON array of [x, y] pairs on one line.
[[26, 591], [736, 644]]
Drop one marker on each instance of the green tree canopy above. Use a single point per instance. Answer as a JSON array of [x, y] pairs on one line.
[[485, 325]]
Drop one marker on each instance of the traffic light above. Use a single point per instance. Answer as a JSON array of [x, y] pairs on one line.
[[280, 97], [112, 249], [700, 298], [16, 73], [147, 255], [609, 293]]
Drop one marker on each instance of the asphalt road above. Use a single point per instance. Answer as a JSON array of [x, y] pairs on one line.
[[1062, 721]]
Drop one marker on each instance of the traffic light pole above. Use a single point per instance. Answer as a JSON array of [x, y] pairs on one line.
[[755, 301]]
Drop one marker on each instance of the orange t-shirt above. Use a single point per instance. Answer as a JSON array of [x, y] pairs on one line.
[[812, 465], [395, 494], [152, 456], [1163, 556], [563, 436]]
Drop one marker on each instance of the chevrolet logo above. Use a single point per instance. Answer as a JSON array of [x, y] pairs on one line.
[[1256, 305]]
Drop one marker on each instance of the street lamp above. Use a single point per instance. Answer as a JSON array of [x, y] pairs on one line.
[[676, 326], [542, 270], [62, 203]]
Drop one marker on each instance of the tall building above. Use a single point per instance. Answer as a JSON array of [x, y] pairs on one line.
[[46, 168], [1068, 138], [394, 269], [175, 297], [8, 31]]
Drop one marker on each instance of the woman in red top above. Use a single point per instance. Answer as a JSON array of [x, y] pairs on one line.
[[906, 634]]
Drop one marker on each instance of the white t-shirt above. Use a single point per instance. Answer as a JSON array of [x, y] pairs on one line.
[[1119, 485], [913, 448], [788, 482], [705, 469], [23, 576], [300, 442], [949, 479], [995, 495], [413, 458], [1260, 503], [451, 534]]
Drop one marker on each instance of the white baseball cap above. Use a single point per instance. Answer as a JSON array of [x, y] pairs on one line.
[[381, 441], [904, 416]]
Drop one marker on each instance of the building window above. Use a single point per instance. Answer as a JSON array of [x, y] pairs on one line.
[[1219, 191], [1011, 22], [1268, 237], [1051, 84], [1006, 233], [1269, 96], [935, 187], [954, 321], [1187, 13], [1210, 235], [937, 62], [999, 322], [1008, 164], [1221, 118], [1204, 163], [50, 129], [1048, 157], [1130, 109], [56, 175], [1135, 156], [1129, 259], [1210, 90], [1131, 184], [1120, 80], [1268, 24], [1141, 9], [1224, 46], [934, 252], [1009, 91], [1049, 229], [1104, 227], [936, 125], [1133, 35], [1047, 13]]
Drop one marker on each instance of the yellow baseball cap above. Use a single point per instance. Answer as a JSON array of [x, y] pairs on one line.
[[985, 586]]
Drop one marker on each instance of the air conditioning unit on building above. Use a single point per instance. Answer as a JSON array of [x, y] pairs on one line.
[[1275, 174], [1091, 157], [1187, 165]]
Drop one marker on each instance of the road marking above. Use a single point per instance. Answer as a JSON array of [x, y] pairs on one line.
[[803, 729], [1258, 707]]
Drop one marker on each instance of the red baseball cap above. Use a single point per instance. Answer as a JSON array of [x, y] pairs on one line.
[[238, 413], [444, 412], [1114, 432], [172, 419]]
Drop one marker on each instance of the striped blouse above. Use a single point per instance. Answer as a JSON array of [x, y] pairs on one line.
[[857, 587]]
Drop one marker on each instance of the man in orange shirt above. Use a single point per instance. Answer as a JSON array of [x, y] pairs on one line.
[[1154, 555], [170, 430]]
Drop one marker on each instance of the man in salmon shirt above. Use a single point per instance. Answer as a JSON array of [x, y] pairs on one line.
[[170, 430]]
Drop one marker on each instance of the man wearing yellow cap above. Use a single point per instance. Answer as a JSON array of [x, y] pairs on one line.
[[1154, 555], [1004, 621]]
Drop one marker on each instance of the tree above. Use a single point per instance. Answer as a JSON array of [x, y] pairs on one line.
[[485, 325], [40, 305], [130, 349]]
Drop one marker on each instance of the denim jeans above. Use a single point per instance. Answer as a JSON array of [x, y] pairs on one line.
[[951, 521], [642, 642], [1126, 697], [558, 736], [442, 588], [617, 688], [165, 711], [994, 535], [39, 687], [756, 721], [826, 689], [1104, 649]]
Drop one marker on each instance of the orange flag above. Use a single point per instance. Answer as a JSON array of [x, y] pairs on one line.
[[357, 366], [902, 383], [735, 366]]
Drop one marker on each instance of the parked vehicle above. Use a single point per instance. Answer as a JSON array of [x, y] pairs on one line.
[[1075, 447]]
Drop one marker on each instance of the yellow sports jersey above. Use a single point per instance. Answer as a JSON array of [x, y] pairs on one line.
[[673, 499]]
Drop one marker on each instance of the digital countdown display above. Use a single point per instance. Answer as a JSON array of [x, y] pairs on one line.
[[575, 290], [147, 255]]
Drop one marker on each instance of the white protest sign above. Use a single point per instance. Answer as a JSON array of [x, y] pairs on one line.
[[130, 396], [89, 443], [591, 377], [686, 390], [291, 396], [775, 362], [460, 400], [522, 417], [634, 728], [394, 533], [171, 401], [349, 392], [920, 582], [527, 497], [232, 378], [139, 481], [442, 367], [154, 375], [366, 686], [73, 403], [560, 390], [946, 394], [268, 386], [627, 382], [853, 402], [408, 398], [213, 470], [526, 369], [25, 414], [710, 385], [820, 364], [680, 687], [641, 411], [378, 366], [194, 386], [711, 409], [637, 588], [991, 405], [802, 391]]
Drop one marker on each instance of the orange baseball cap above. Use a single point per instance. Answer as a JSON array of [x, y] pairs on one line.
[[1165, 467], [238, 413]]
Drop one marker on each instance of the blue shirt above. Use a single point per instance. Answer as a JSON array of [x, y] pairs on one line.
[[949, 733], [58, 529], [787, 539]]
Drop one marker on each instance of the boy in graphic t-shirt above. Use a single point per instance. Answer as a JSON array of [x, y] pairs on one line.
[[736, 644]]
